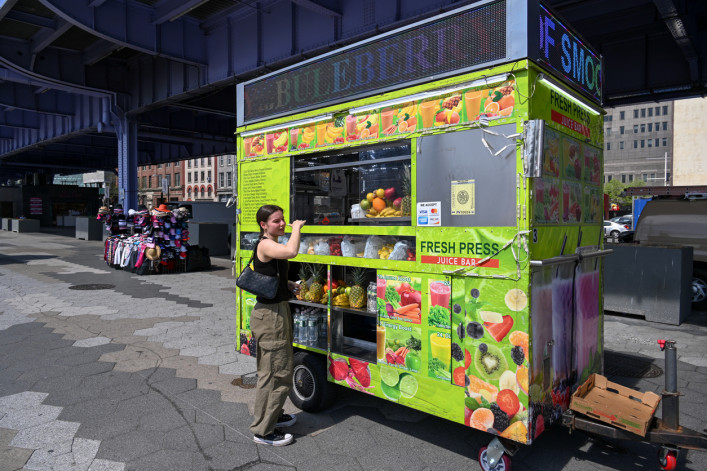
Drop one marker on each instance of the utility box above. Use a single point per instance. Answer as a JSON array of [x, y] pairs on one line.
[[650, 281], [6, 224], [212, 235], [88, 228], [25, 225]]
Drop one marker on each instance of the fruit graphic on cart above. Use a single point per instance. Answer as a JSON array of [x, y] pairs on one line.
[[479, 388], [516, 300], [517, 431], [482, 419], [499, 330], [519, 339], [522, 378], [357, 298], [490, 363]]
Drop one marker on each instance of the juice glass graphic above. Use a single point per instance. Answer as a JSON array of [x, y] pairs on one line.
[[269, 142], [441, 348], [380, 342], [439, 294], [294, 132], [472, 102], [351, 126], [246, 145], [427, 111], [380, 288], [386, 118], [321, 132]]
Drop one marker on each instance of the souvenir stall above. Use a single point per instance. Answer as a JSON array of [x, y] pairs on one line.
[[148, 242]]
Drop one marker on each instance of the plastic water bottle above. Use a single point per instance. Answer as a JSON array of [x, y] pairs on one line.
[[303, 333], [312, 329], [295, 328], [322, 326]]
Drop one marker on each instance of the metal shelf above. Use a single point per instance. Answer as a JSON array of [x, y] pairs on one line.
[[383, 219], [351, 310], [307, 303], [356, 163]]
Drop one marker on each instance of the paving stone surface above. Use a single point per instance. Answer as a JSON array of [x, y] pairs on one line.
[[141, 377]]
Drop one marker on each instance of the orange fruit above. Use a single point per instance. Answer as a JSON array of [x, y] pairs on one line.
[[492, 107], [482, 419], [412, 124], [506, 111], [476, 385], [506, 101], [517, 431], [522, 378], [487, 101], [519, 339], [378, 204], [365, 133], [402, 126]]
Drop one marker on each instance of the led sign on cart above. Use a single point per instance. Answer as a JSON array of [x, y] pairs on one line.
[[568, 55], [447, 45]]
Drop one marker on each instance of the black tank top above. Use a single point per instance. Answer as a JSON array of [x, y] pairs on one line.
[[271, 269]]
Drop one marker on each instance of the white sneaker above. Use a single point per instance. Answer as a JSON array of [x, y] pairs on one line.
[[276, 438]]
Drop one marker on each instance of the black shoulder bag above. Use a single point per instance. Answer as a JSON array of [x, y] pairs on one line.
[[258, 284]]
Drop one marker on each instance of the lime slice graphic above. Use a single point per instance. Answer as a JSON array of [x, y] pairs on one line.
[[391, 392], [408, 386], [389, 376]]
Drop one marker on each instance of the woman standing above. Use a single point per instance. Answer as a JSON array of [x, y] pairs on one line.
[[271, 325]]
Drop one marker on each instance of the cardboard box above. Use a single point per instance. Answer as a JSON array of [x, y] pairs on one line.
[[614, 404]]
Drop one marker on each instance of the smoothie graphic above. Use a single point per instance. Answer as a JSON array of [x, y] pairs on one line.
[[428, 109], [562, 314], [321, 133], [294, 132], [351, 127], [269, 138], [441, 350], [380, 342], [246, 145], [472, 102], [439, 294], [551, 161], [586, 321], [387, 120]]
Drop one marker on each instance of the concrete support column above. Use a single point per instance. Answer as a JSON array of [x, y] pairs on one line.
[[127, 163]]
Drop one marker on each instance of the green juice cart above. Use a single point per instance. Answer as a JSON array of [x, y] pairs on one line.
[[450, 174]]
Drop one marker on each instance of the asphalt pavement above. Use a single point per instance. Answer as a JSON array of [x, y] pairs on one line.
[[141, 374]]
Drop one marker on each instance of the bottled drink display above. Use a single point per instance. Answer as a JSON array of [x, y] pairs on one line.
[[310, 326]]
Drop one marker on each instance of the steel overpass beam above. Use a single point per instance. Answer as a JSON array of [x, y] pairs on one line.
[[126, 131], [170, 10], [23, 97]]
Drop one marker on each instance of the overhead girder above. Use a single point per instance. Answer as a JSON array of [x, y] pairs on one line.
[[129, 23], [23, 97]]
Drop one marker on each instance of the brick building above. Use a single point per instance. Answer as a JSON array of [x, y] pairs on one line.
[[150, 183]]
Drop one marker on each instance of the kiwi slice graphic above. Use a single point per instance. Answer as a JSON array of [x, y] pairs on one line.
[[491, 363]]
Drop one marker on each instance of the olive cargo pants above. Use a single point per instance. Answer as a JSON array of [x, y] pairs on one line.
[[271, 325]]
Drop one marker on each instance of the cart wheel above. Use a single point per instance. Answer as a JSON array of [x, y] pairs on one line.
[[310, 389], [503, 465], [670, 462]]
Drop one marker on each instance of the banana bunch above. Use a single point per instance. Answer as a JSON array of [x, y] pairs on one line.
[[340, 300], [332, 133], [364, 120], [386, 213], [384, 252], [281, 140], [308, 134], [410, 110]]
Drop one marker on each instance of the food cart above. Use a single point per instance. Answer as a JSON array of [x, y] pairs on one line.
[[450, 173]]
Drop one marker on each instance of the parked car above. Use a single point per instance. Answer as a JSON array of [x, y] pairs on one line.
[[626, 220], [679, 222], [613, 229]]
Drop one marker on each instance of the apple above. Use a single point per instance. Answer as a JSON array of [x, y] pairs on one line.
[[397, 203], [365, 205], [390, 194]]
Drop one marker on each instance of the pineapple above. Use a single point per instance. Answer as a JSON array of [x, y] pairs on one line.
[[304, 271], [357, 296], [316, 289], [406, 205]]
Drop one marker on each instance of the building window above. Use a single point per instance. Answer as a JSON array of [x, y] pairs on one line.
[[176, 164], [643, 112], [189, 193], [202, 192], [623, 178], [665, 142], [189, 177], [144, 182], [229, 160], [609, 177], [177, 179], [635, 144], [608, 131], [621, 145], [650, 142], [149, 181], [630, 178], [657, 142], [608, 146], [621, 129], [650, 126], [208, 161], [209, 192], [665, 125], [652, 176], [202, 176], [643, 127], [635, 113], [202, 164], [650, 112], [220, 180], [188, 163], [159, 165], [228, 180], [622, 115], [169, 179], [220, 160], [168, 164], [208, 177], [643, 143], [657, 110], [645, 177], [635, 128], [665, 110]]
